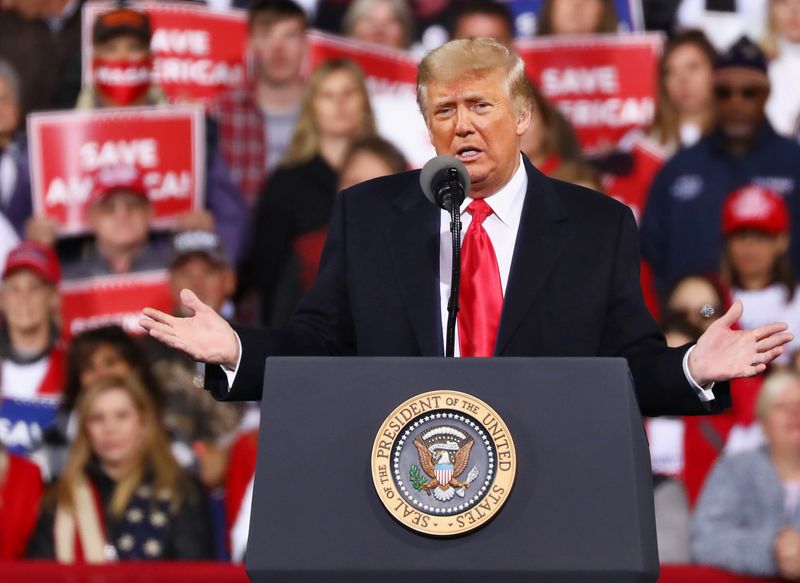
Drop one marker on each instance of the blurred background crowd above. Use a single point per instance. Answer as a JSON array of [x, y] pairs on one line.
[[111, 450]]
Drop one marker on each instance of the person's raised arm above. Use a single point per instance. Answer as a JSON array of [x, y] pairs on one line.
[[205, 336]]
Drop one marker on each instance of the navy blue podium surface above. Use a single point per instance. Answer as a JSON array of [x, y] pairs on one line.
[[581, 508]]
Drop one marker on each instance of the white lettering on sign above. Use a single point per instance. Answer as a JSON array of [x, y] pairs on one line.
[[614, 112], [20, 434], [74, 190], [580, 81], [128, 321], [168, 185], [142, 153], [181, 42], [202, 72]]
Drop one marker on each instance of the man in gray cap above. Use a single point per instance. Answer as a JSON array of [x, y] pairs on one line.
[[681, 231]]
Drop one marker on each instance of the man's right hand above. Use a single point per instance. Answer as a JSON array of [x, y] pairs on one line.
[[204, 336]]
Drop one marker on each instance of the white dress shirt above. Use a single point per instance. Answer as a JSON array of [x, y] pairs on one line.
[[501, 226]]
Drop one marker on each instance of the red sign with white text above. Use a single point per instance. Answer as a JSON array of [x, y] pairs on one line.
[[112, 299], [605, 85], [197, 53], [392, 85], [167, 145]]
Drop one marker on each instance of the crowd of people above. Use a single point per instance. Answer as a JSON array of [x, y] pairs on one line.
[[109, 447]]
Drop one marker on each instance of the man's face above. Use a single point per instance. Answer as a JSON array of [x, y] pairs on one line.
[[27, 301], [484, 25], [213, 283], [125, 47], [121, 221], [279, 49], [740, 98], [474, 120], [9, 112]]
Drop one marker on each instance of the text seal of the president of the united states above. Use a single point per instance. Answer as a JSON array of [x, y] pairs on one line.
[[443, 463]]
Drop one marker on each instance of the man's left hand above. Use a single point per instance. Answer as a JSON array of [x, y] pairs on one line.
[[722, 354]]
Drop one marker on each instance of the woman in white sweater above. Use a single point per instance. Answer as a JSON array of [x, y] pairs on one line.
[[782, 43]]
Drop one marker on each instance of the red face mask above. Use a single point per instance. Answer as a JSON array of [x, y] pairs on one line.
[[122, 81]]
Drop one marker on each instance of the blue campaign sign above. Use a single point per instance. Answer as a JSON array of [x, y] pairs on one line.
[[22, 423], [629, 13]]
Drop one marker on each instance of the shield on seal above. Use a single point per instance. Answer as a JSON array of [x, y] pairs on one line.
[[444, 473]]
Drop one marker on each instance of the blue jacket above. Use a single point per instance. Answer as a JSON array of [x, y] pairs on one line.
[[681, 228]]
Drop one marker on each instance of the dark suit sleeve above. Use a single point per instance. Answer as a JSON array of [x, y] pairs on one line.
[[321, 326], [630, 331]]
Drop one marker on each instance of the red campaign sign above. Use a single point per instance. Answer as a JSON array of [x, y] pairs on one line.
[[387, 68], [198, 53], [112, 299], [605, 84], [392, 85], [66, 149]]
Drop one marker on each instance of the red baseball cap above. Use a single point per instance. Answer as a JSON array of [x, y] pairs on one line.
[[35, 257], [109, 180], [754, 207]]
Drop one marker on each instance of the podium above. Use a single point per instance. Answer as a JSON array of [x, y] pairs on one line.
[[581, 508]]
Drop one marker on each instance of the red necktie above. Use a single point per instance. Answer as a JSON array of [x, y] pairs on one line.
[[481, 294]]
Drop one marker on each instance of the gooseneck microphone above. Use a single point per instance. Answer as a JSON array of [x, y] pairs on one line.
[[445, 182]]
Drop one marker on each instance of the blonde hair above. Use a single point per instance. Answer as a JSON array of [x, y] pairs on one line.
[[305, 140], [474, 57], [769, 44], [154, 455], [360, 8], [774, 385]]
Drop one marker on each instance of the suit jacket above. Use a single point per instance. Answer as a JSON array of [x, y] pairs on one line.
[[573, 290]]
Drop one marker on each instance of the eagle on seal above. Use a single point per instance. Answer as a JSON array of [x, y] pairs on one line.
[[443, 467]]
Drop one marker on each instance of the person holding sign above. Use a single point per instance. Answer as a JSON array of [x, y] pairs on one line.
[[33, 359], [123, 78], [572, 288]]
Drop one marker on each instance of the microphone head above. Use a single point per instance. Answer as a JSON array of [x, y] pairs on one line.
[[434, 176]]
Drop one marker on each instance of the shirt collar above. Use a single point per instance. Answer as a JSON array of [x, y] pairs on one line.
[[505, 203]]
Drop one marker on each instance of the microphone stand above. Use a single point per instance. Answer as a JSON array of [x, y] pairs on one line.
[[455, 278]]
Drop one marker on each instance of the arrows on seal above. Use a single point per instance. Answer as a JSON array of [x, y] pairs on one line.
[[473, 473]]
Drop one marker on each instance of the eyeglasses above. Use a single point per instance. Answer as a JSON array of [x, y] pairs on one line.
[[749, 92]]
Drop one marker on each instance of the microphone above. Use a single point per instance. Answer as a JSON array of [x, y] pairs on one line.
[[445, 182]]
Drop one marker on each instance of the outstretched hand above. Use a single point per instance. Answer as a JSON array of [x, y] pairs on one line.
[[722, 354], [204, 336]]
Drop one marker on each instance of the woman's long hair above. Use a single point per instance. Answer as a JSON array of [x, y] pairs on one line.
[[781, 273], [154, 458], [305, 140], [666, 122], [608, 20]]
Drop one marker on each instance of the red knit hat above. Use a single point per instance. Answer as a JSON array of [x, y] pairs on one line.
[[754, 207], [35, 257]]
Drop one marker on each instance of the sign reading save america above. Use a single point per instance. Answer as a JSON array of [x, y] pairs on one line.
[[604, 84], [167, 145], [197, 52]]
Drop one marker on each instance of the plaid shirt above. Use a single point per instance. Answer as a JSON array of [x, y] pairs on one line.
[[242, 139]]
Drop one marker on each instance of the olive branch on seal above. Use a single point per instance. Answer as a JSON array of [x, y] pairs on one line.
[[416, 477]]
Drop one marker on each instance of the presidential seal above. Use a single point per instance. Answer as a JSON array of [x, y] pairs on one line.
[[443, 463]]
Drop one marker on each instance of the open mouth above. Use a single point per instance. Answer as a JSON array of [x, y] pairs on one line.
[[467, 153]]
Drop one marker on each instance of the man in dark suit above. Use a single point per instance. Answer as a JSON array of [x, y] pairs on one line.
[[551, 269]]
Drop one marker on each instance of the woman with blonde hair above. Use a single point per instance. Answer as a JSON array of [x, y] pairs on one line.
[[122, 495], [292, 214]]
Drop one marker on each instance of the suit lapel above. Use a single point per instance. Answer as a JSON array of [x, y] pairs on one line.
[[413, 239], [543, 229]]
